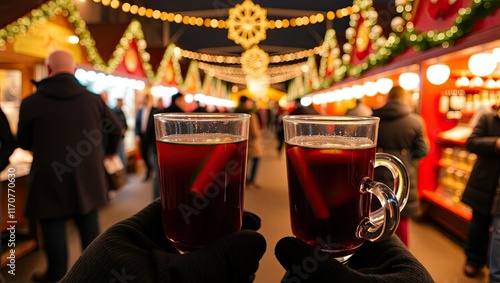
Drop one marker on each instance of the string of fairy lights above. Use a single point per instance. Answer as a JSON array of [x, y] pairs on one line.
[[204, 57], [236, 75], [404, 35], [179, 18]]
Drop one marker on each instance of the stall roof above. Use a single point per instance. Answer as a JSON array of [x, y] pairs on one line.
[[107, 37], [10, 11]]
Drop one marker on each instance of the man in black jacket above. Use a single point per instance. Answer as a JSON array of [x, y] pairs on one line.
[[7, 142], [402, 134], [299, 109], [120, 115], [177, 105], [143, 122], [481, 189], [64, 125]]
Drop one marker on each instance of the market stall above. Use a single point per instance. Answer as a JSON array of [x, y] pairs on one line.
[[449, 83]]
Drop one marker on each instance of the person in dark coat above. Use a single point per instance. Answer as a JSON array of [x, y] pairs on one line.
[[120, 115], [255, 144], [7, 141], [494, 265], [299, 109], [63, 124], [143, 122], [480, 190], [494, 260], [360, 109], [402, 134], [177, 105], [280, 131]]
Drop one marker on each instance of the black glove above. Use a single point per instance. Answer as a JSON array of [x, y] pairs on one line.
[[136, 250], [384, 262]]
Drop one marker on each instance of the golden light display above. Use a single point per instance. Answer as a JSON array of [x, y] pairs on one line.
[[220, 24], [404, 35], [247, 24], [254, 61]]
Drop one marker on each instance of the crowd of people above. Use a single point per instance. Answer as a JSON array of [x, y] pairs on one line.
[[70, 131]]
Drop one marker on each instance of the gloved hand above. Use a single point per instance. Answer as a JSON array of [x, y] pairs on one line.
[[136, 250], [383, 262]]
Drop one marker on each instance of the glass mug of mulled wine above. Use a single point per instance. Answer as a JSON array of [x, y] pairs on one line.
[[202, 161], [330, 167]]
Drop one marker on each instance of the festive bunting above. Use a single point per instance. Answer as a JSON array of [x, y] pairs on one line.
[[366, 47], [311, 78], [330, 60], [169, 71], [192, 82]]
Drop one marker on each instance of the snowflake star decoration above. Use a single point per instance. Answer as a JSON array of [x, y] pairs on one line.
[[247, 24], [254, 61]]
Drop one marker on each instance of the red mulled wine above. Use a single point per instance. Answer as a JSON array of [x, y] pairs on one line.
[[201, 180], [324, 179]]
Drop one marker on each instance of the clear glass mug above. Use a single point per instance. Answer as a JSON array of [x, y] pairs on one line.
[[330, 166], [202, 161]]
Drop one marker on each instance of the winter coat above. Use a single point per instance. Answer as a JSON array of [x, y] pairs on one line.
[[483, 180], [7, 141], [64, 125], [304, 110], [120, 115], [360, 110], [150, 135], [401, 133], [255, 143]]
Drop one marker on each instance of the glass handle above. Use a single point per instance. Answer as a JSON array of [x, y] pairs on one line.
[[383, 222], [399, 174]]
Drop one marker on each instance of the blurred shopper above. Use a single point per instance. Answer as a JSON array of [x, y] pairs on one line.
[[143, 121], [360, 109], [273, 112], [7, 141], [159, 103], [300, 109], [482, 187], [280, 131], [63, 124], [402, 134], [255, 146], [494, 262], [177, 105], [123, 122]]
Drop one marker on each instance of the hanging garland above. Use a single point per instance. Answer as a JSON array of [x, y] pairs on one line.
[[169, 57], [462, 25], [330, 58], [365, 31], [404, 35], [178, 18]]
